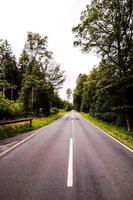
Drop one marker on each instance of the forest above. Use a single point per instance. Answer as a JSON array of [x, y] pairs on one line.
[[106, 28], [29, 85]]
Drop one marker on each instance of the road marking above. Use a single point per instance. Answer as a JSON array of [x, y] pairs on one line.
[[29, 137], [113, 138], [70, 165], [73, 128], [19, 143], [109, 135]]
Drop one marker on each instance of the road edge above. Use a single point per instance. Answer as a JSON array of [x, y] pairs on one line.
[[131, 150], [28, 138]]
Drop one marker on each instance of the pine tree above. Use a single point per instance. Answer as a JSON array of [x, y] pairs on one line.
[[9, 73]]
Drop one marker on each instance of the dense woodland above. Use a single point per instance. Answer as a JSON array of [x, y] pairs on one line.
[[29, 86], [106, 27]]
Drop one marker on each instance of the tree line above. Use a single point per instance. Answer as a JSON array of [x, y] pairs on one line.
[[29, 85], [106, 27]]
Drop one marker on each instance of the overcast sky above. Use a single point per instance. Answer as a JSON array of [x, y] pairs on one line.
[[54, 18]]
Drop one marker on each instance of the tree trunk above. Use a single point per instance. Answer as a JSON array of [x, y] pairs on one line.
[[11, 93], [50, 103], [129, 121]]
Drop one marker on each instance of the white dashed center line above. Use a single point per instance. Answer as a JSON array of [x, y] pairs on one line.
[[70, 165]]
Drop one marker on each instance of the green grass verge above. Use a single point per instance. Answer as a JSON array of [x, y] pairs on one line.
[[119, 133], [14, 129]]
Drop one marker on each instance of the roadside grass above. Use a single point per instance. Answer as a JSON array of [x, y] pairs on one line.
[[12, 130], [119, 133]]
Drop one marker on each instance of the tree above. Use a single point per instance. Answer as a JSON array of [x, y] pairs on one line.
[[89, 91], [3, 82], [69, 93], [107, 27], [54, 78], [77, 98], [54, 75], [32, 84], [9, 73], [41, 76]]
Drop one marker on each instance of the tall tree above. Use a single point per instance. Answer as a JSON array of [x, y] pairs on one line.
[[9, 73], [88, 94], [78, 92], [41, 77], [69, 94], [107, 27], [53, 74]]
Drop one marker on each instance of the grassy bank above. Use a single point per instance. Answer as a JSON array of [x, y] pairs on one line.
[[14, 129], [119, 133]]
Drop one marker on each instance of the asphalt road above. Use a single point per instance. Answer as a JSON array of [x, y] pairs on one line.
[[69, 160]]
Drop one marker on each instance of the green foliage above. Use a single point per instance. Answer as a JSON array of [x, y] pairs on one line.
[[69, 106], [16, 108], [119, 133], [56, 101], [33, 82], [100, 96], [4, 107], [9, 73], [54, 75], [63, 104], [69, 93], [13, 130], [77, 97], [9, 109], [41, 77], [106, 27], [54, 110]]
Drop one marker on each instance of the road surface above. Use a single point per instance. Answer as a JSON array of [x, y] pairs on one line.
[[69, 160]]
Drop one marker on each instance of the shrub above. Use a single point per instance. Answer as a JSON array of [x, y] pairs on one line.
[[15, 108], [9, 109], [54, 110]]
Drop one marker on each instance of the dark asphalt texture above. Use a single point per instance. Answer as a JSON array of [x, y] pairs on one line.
[[38, 168]]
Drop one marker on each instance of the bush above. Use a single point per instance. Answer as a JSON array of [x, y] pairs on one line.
[[4, 107], [9, 109], [54, 110], [15, 108]]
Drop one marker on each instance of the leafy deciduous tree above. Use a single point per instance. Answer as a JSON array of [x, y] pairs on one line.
[[107, 27]]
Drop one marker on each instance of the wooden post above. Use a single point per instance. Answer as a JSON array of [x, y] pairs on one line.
[[30, 122]]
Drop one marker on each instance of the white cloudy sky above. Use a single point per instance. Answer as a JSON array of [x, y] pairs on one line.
[[54, 18]]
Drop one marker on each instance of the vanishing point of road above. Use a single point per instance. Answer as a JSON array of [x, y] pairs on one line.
[[68, 160]]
